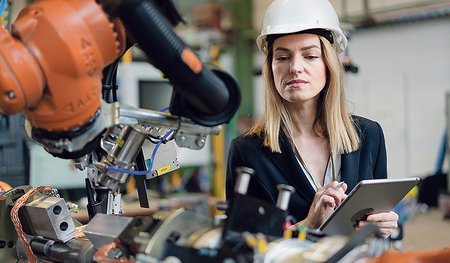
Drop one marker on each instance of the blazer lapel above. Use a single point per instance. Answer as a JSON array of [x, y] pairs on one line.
[[288, 164], [349, 169]]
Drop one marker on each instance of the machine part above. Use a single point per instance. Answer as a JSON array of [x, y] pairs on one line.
[[244, 211], [166, 159], [82, 143], [82, 162], [244, 176], [129, 115], [371, 247], [366, 243], [203, 96], [77, 250], [111, 253], [141, 180], [8, 235], [104, 229], [148, 234], [4, 187], [97, 199], [281, 249], [121, 156], [180, 106], [156, 164], [171, 11], [211, 239], [33, 71], [284, 17], [355, 239], [72, 207], [142, 258], [284, 196], [20, 202], [50, 218], [114, 204], [92, 176], [189, 140]]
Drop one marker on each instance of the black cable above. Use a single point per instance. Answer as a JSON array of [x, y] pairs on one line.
[[114, 86], [109, 80], [89, 192]]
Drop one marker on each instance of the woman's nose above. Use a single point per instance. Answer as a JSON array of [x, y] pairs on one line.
[[296, 66]]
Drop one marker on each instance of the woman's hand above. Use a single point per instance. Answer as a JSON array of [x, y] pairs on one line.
[[387, 222], [325, 200]]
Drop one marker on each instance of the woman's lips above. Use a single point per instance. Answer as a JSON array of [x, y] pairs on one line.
[[296, 83]]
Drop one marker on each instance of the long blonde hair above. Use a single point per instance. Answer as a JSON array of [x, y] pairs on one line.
[[332, 120]]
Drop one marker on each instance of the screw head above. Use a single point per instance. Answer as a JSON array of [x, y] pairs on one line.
[[200, 142]]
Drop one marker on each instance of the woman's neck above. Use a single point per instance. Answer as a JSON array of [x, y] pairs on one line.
[[303, 117]]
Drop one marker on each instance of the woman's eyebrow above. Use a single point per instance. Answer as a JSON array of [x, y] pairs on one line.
[[303, 48], [309, 47], [282, 49]]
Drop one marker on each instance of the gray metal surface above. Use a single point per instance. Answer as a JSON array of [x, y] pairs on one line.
[[50, 218], [76, 250], [104, 229]]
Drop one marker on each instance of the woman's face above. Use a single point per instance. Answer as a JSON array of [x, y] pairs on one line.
[[299, 70]]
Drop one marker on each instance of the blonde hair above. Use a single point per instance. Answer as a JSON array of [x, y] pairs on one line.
[[332, 120]]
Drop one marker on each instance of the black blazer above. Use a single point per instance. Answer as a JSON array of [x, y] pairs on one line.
[[368, 162]]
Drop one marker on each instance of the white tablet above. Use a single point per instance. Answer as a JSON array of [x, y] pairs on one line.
[[368, 197]]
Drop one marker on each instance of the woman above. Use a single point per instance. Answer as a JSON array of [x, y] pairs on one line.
[[305, 137]]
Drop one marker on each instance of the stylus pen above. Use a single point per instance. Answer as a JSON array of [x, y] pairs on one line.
[[339, 185]]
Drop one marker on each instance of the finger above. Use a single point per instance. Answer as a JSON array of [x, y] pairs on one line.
[[378, 217], [331, 185], [339, 195], [385, 232], [327, 200], [344, 187], [381, 224]]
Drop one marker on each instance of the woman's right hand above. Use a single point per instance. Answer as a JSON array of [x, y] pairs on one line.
[[325, 200]]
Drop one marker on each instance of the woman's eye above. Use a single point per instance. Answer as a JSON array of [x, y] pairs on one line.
[[311, 57], [282, 58]]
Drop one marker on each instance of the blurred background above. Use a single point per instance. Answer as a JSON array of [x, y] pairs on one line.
[[398, 73]]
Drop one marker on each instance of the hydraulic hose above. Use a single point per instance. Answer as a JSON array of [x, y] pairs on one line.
[[209, 99]]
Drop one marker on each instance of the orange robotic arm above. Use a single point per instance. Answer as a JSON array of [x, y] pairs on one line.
[[51, 64]]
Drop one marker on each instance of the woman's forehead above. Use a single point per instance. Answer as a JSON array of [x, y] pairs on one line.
[[296, 41]]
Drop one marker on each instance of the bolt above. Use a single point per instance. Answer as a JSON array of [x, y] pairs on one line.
[[244, 175], [22, 257], [200, 142], [261, 210], [284, 196]]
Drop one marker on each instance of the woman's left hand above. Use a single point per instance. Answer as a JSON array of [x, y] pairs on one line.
[[387, 222]]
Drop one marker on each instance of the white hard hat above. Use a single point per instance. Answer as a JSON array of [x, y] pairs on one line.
[[290, 16]]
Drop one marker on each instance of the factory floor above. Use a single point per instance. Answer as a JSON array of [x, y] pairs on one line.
[[426, 230]]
